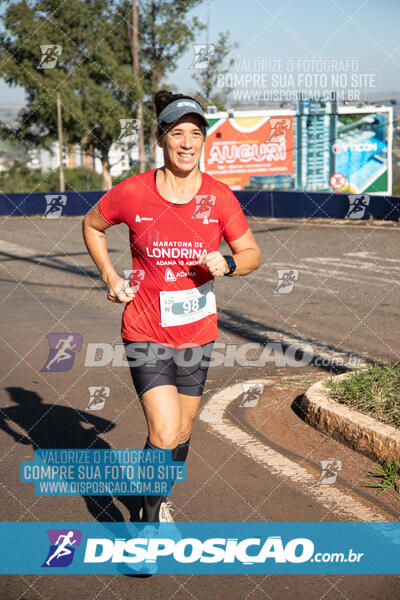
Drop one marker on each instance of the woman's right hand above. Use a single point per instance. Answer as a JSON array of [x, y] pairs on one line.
[[119, 290]]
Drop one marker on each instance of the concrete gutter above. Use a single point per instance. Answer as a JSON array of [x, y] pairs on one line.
[[361, 432]]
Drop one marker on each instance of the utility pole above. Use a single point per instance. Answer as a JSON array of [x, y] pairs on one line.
[[136, 70], [60, 143]]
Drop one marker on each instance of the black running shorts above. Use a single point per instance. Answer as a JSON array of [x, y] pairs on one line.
[[153, 364]]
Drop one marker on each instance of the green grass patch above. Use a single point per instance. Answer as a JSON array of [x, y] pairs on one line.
[[374, 392], [387, 476]]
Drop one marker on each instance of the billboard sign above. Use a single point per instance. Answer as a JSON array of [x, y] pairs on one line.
[[362, 150], [319, 147], [247, 150]]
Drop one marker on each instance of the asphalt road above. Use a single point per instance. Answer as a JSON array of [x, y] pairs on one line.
[[343, 301]]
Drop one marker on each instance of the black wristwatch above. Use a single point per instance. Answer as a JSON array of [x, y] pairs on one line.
[[231, 264]]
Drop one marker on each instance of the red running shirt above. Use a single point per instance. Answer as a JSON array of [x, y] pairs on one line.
[[166, 241]]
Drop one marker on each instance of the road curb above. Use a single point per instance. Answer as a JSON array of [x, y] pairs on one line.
[[361, 432], [216, 414]]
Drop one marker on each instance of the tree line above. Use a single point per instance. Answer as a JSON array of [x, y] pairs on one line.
[[105, 60]]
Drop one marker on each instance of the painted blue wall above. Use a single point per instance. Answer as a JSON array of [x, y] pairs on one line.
[[255, 203]]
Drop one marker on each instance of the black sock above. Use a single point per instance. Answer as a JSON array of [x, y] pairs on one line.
[[152, 504], [181, 451]]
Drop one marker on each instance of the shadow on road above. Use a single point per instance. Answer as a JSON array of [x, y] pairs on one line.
[[51, 261], [249, 329], [51, 426]]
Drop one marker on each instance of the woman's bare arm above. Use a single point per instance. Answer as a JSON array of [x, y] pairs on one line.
[[93, 228], [245, 252]]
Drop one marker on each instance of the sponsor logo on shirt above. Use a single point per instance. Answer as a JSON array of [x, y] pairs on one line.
[[206, 221], [138, 219], [169, 275]]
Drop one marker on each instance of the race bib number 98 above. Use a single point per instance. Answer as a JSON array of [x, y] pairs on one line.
[[187, 306]]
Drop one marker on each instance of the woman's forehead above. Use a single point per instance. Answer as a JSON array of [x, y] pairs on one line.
[[187, 122]]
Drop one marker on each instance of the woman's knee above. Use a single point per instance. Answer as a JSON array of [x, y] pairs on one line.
[[166, 439], [186, 429]]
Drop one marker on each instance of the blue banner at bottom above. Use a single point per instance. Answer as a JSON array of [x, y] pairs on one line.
[[208, 548]]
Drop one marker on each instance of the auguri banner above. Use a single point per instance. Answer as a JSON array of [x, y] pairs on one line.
[[238, 149]]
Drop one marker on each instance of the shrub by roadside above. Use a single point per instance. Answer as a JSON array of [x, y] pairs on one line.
[[374, 392]]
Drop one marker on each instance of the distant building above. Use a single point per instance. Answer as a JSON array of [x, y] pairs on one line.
[[6, 164], [122, 157], [315, 136]]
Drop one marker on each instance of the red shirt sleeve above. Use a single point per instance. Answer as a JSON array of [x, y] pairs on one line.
[[234, 223], [112, 205]]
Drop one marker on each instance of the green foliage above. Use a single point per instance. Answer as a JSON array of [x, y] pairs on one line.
[[20, 179], [14, 152], [133, 171], [93, 73], [350, 119], [166, 29], [388, 476], [374, 391]]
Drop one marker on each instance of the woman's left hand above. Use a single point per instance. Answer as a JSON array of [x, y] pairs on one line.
[[215, 263]]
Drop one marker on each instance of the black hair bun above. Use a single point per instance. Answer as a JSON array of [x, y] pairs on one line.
[[162, 99]]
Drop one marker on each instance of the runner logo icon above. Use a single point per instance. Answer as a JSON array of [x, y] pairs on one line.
[[50, 54], [357, 206], [204, 204], [329, 471], [62, 547], [97, 397], [251, 394], [203, 53], [62, 351], [54, 205], [286, 280], [134, 278], [129, 130]]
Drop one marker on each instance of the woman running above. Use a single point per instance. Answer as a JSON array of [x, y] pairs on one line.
[[176, 216]]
